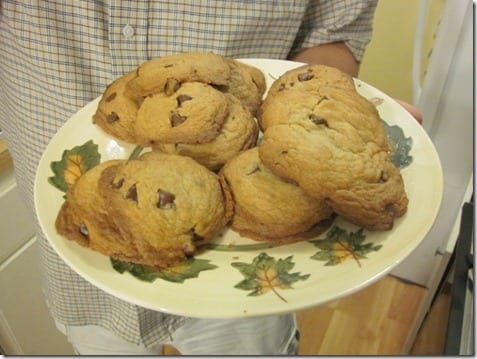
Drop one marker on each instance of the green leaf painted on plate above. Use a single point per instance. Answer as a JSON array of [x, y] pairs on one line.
[[73, 164], [267, 274], [401, 145], [190, 268], [240, 247], [136, 152], [340, 245]]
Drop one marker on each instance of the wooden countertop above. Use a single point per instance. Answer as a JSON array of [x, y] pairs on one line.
[[5, 158]]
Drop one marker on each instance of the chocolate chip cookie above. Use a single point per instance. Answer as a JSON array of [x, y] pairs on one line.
[[239, 132], [311, 78], [269, 208], [246, 83], [84, 219], [320, 133], [194, 113], [116, 112], [355, 176], [340, 112], [167, 73], [167, 205]]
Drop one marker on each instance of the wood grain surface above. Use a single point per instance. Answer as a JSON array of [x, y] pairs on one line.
[[374, 321]]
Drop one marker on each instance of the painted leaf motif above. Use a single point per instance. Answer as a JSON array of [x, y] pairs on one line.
[[240, 247], [401, 145], [267, 274], [177, 274], [340, 245], [73, 164], [136, 152]]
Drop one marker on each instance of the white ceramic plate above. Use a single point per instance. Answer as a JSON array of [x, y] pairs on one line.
[[305, 275]]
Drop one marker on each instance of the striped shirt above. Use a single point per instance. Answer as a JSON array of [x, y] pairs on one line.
[[57, 55]]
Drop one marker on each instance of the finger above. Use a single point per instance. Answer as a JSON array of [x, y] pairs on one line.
[[412, 110]]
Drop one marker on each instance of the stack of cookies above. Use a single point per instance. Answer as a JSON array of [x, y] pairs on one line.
[[201, 105], [157, 210], [323, 152], [321, 134]]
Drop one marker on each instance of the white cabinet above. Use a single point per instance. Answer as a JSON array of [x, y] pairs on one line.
[[16, 224], [26, 327]]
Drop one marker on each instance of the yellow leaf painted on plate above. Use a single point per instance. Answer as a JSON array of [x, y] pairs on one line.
[[73, 164], [74, 169]]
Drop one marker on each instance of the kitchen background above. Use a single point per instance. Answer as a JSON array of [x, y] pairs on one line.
[[396, 64]]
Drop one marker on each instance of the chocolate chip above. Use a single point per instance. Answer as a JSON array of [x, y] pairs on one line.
[[182, 98], [196, 237], [176, 119], [132, 193], [318, 120], [281, 87], [118, 184], [83, 229], [168, 66], [306, 76], [111, 97], [166, 200], [113, 117], [390, 208]]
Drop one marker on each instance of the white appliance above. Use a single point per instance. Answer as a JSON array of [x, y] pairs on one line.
[[446, 101]]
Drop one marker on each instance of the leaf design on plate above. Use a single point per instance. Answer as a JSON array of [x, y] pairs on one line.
[[135, 153], [190, 268], [266, 274], [401, 145], [340, 245], [73, 164], [240, 247]]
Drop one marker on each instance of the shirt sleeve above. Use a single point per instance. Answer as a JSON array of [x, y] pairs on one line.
[[350, 21]]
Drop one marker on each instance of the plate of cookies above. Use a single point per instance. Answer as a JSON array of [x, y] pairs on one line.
[[212, 187]]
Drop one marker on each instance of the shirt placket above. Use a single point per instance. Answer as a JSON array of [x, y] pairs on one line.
[[128, 35]]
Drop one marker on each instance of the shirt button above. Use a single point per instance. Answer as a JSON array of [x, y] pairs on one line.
[[128, 31]]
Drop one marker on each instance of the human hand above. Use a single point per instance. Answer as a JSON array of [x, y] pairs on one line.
[[412, 110]]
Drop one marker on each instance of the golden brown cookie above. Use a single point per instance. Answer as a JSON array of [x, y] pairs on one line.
[[83, 218], [194, 113], [311, 78], [239, 133], [269, 208], [168, 205], [165, 74], [320, 133], [257, 77], [116, 112], [247, 83], [342, 112], [356, 177]]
